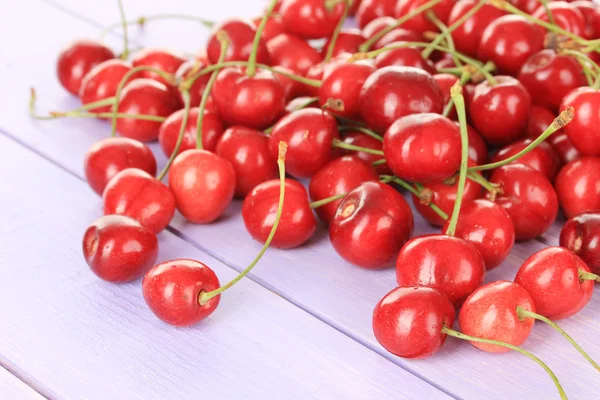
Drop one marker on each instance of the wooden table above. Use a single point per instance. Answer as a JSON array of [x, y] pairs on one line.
[[298, 328]]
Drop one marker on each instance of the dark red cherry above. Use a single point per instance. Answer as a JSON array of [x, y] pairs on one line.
[[347, 42], [310, 19], [370, 225], [408, 321], [563, 147], [292, 52], [248, 151], [397, 35], [136, 194], [373, 9], [171, 291], [528, 197], [565, 16], [584, 129], [404, 57], [581, 235], [542, 158], [274, 26], [103, 81], [108, 157], [393, 92], [187, 70], [119, 249], [363, 140], [540, 119], [162, 59], [77, 59], [240, 33], [578, 186], [212, 129], [420, 23], [203, 184], [297, 224]]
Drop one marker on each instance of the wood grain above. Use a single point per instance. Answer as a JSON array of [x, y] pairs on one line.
[[12, 387]]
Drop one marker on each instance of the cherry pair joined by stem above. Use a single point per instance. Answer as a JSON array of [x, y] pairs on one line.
[[77, 59]]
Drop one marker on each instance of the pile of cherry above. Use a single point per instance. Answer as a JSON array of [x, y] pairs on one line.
[[417, 98]]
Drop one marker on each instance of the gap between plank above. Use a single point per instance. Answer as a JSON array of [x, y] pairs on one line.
[[26, 381]]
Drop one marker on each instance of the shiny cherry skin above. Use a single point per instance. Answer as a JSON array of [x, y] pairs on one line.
[[102, 82], [310, 19], [274, 26], [488, 227], [292, 52], [423, 147], [148, 97], [529, 6], [404, 57], [165, 60], [370, 10], [203, 184], [393, 92], [339, 176], [478, 150], [241, 34], [563, 147], [551, 277], [578, 186], [77, 59], [186, 71], [347, 42], [376, 25], [397, 35], [363, 140], [565, 16], [291, 87], [540, 119], [591, 16], [344, 82], [249, 153], [490, 312], [408, 321], [370, 225], [108, 157], [500, 112], [136, 194], [445, 82], [171, 290], [119, 249], [420, 23], [309, 134], [212, 129], [581, 235], [509, 41], [542, 158], [528, 197], [548, 77], [297, 224], [584, 129]]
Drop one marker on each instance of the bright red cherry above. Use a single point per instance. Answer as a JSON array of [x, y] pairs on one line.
[[542, 158], [420, 23], [291, 87], [370, 10], [397, 35], [292, 52], [274, 26], [363, 140], [119, 249], [297, 224], [565, 16], [347, 42], [540, 119], [563, 147], [165, 60], [404, 57], [529, 6], [581, 235], [578, 186], [102, 82], [376, 25], [77, 59], [591, 16], [370, 225], [187, 70], [240, 33], [344, 82], [172, 289], [584, 129], [310, 19], [212, 129]]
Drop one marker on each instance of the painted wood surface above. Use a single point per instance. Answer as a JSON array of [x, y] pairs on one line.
[[12, 387]]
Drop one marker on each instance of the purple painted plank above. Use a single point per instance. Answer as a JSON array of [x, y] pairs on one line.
[[13, 388], [315, 278]]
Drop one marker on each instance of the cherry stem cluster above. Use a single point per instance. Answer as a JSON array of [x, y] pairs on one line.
[[336, 32], [444, 34]]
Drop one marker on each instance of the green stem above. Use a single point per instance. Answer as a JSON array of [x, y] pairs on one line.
[[59, 114], [416, 192], [327, 200], [337, 31], [342, 145], [125, 53], [142, 20], [583, 59], [379, 162], [361, 129], [487, 185], [548, 11], [251, 70], [464, 78], [588, 276], [445, 34], [186, 115], [70, 114]]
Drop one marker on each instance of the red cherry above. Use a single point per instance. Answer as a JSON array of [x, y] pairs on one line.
[[551, 277], [408, 321], [363, 140], [108, 157], [372, 9], [542, 158], [203, 184], [528, 197], [291, 87], [162, 59], [420, 23], [488, 227], [344, 82], [393, 92], [529, 6], [186, 71], [77, 59], [445, 82], [309, 134], [102, 82], [509, 41], [321, 71], [248, 151], [148, 97], [581, 235], [565, 16], [578, 186], [297, 223], [299, 103], [212, 129], [292, 52], [274, 26], [591, 16], [540, 119], [310, 19], [500, 112], [370, 225], [119, 249], [478, 151], [171, 290], [584, 129], [240, 33], [136, 194], [347, 42], [397, 35], [404, 57], [376, 25], [446, 61], [563, 147], [490, 312]]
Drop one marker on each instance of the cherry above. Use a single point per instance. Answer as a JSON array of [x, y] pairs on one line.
[[118, 248], [203, 184], [165, 60], [291, 87], [292, 52], [591, 16], [565, 16], [137, 194], [542, 158], [408, 321], [500, 112], [528, 197], [529, 6], [338, 177], [371, 224], [552, 278], [393, 92], [509, 41], [310, 19], [478, 151], [581, 235], [274, 26], [370, 10], [298, 222], [363, 140], [540, 119], [420, 23], [309, 134], [584, 129], [212, 129], [548, 77], [376, 25], [397, 35], [578, 186], [563, 147], [445, 82], [102, 82], [108, 157], [186, 71], [299, 103], [148, 97], [347, 42], [248, 151], [241, 36], [171, 290], [429, 144], [77, 59], [404, 57]]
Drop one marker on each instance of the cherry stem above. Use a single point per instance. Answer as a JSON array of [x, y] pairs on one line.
[[361, 129], [548, 11], [125, 53], [338, 29], [416, 192], [347, 146], [459, 102], [563, 119], [60, 114], [444, 34], [204, 297], [367, 45], [251, 70], [588, 276], [462, 336], [584, 61], [186, 115], [379, 162], [493, 188], [142, 20], [331, 199], [464, 78], [523, 313]]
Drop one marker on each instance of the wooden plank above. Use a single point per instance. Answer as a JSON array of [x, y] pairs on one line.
[[12, 387]]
